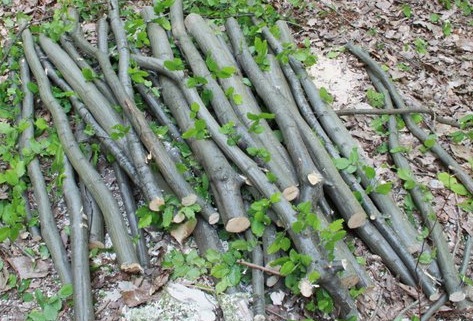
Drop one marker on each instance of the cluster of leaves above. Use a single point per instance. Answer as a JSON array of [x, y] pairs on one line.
[[171, 210], [351, 165], [50, 305]]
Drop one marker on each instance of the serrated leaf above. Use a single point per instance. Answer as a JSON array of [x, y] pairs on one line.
[[297, 226], [234, 277], [325, 95], [287, 268]]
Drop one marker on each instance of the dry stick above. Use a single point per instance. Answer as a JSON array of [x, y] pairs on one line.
[[448, 161], [158, 112], [140, 124], [49, 229], [284, 209], [347, 205], [443, 120], [130, 210], [211, 47], [95, 102], [257, 277], [309, 177], [223, 109], [90, 207], [444, 257], [354, 273], [225, 181], [79, 60], [135, 149], [82, 296], [337, 132], [268, 238], [26, 116], [95, 218], [463, 268], [379, 222], [109, 144], [116, 226]]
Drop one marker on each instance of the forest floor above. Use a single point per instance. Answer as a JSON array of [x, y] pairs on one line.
[[429, 53]]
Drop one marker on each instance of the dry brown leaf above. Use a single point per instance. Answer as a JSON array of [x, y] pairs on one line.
[[183, 231], [462, 152], [27, 268], [135, 297]]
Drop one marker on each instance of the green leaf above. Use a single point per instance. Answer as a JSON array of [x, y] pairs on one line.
[[4, 233], [404, 174], [287, 268], [213, 256], [336, 225], [33, 87], [162, 5], [225, 72], [196, 81], [50, 312], [425, 258], [221, 286], [257, 227], [383, 188], [341, 163], [375, 99], [175, 64], [234, 277], [65, 291], [313, 276], [163, 22], [41, 124], [369, 172], [220, 270], [89, 74], [325, 95], [430, 141], [241, 245], [297, 226], [145, 221]]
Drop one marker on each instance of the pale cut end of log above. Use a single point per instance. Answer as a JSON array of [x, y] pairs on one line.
[[290, 193], [183, 231], [237, 224], [356, 220], [457, 296], [155, 204], [131, 268], [315, 178], [272, 280], [259, 317], [214, 218], [434, 296], [307, 288], [178, 218], [246, 180], [189, 200]]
